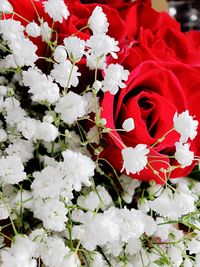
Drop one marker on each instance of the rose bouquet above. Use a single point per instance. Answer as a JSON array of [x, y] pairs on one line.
[[99, 116]]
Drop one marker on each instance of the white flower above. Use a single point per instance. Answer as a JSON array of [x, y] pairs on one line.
[[3, 90], [11, 170], [4, 208], [51, 212], [98, 21], [101, 45], [75, 48], [6, 7], [15, 113], [128, 125], [27, 127], [41, 86], [175, 205], [78, 168], [94, 62], [60, 54], [133, 246], [71, 106], [98, 199], [46, 131], [129, 185], [98, 260], [8, 62], [19, 254], [56, 9], [53, 251], [48, 183], [114, 75], [33, 29], [135, 159], [22, 148], [71, 259], [65, 74], [96, 228], [11, 30], [3, 135], [45, 32], [24, 52], [183, 155], [175, 254], [185, 125], [97, 85]]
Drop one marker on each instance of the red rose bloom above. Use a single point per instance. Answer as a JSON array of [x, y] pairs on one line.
[[152, 96]]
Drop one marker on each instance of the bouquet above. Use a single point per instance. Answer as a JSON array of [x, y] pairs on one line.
[[99, 135]]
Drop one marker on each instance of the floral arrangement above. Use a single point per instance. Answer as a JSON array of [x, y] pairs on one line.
[[99, 116]]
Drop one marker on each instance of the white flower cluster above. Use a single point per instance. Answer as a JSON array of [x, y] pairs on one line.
[[61, 206]]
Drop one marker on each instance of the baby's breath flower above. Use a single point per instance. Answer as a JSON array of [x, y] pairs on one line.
[[183, 155], [33, 29], [114, 75], [71, 106], [101, 44], [6, 7], [60, 54], [56, 9], [98, 21], [185, 125], [128, 125], [75, 48], [65, 74], [135, 159]]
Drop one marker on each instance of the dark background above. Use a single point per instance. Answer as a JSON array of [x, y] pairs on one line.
[[186, 12]]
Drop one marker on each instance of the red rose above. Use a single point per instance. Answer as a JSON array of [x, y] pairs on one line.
[[152, 96]]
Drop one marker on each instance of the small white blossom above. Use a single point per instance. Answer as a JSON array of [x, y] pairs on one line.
[[8, 62], [6, 7], [41, 86], [22, 148], [11, 30], [175, 205], [4, 208], [27, 127], [175, 254], [33, 29], [60, 54], [71, 259], [45, 32], [78, 168], [98, 199], [101, 45], [108, 230], [56, 9], [94, 62], [97, 85], [135, 159], [3, 135], [53, 251], [128, 125], [98, 22], [24, 52], [75, 48], [71, 106], [185, 125], [19, 254], [51, 212], [183, 155], [11, 170], [65, 75], [48, 183], [3, 90], [46, 131], [114, 75]]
